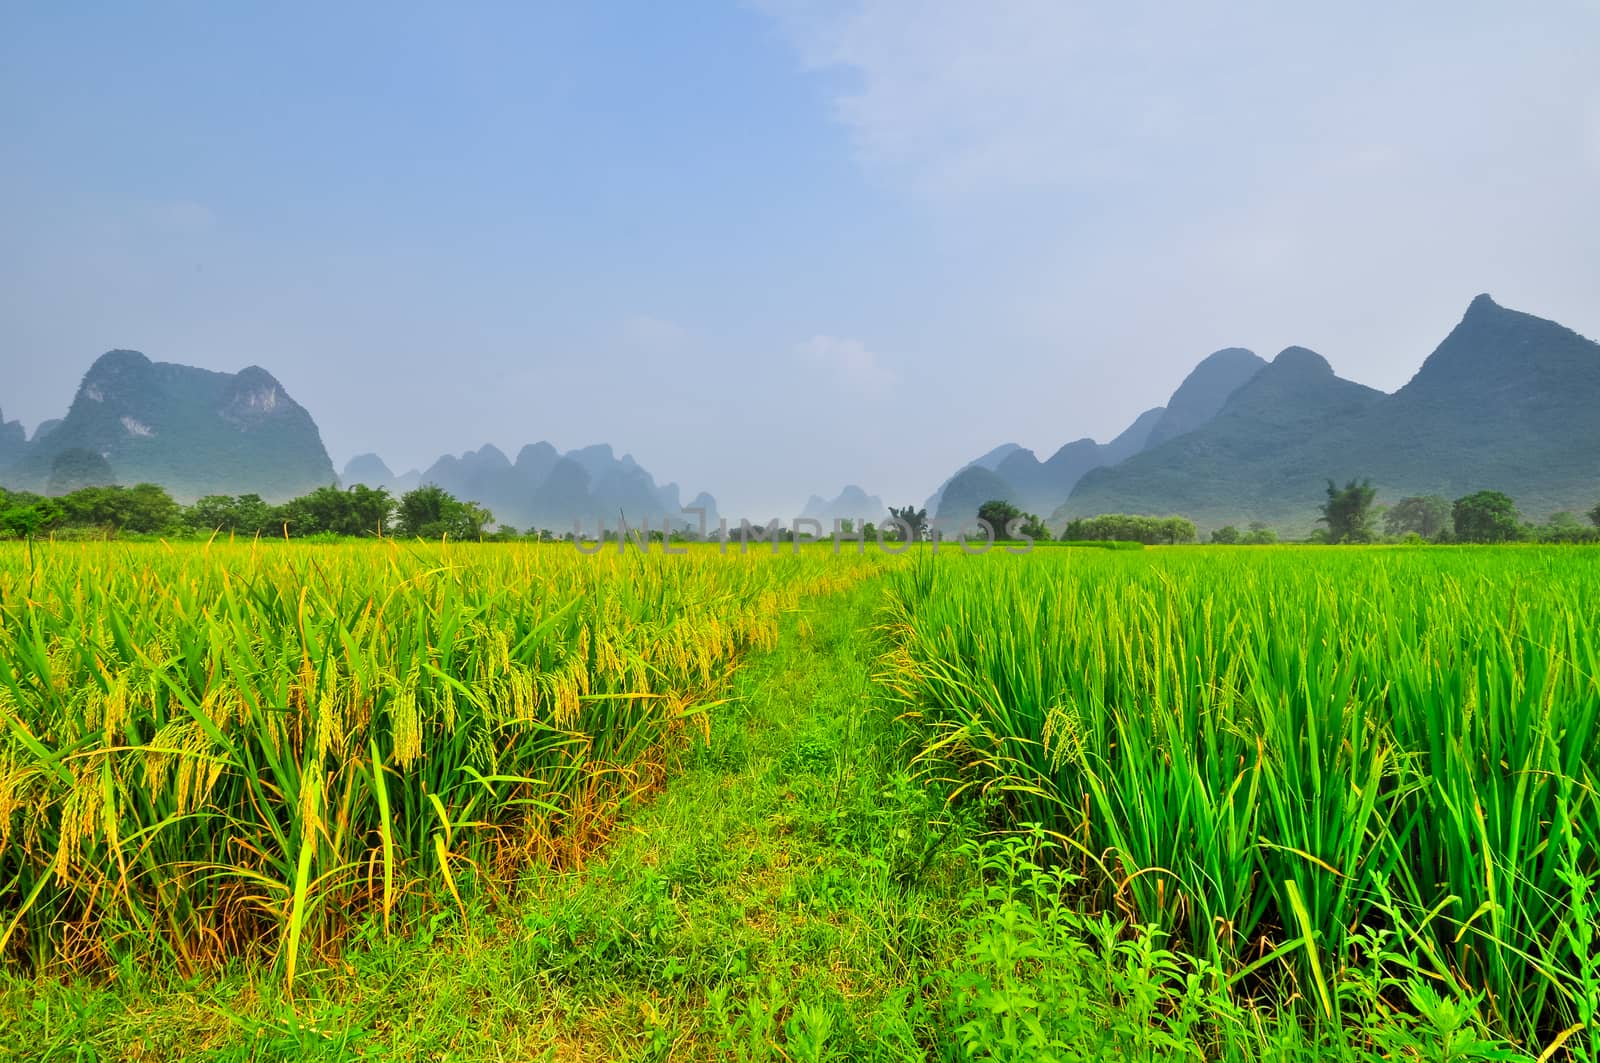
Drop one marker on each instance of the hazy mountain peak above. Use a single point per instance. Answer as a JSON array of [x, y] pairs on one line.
[[1510, 355], [1506, 401], [971, 488], [1020, 457], [990, 461], [13, 437], [1203, 392], [368, 469], [493, 456], [118, 361], [253, 376], [852, 504], [1234, 359], [1016, 475], [1298, 386], [113, 372], [546, 489], [705, 502], [1301, 359], [253, 394], [1077, 451], [535, 460], [596, 459], [194, 431]]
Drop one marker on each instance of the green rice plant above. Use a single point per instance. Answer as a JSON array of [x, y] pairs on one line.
[[1270, 757]]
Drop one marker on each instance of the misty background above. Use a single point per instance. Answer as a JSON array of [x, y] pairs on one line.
[[774, 248]]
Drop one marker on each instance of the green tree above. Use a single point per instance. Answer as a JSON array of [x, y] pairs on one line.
[[1259, 535], [247, 514], [431, 512], [1564, 527], [1227, 535], [358, 511], [370, 510], [212, 513], [1594, 516], [23, 514], [144, 508], [915, 519], [1348, 512], [1424, 515], [1486, 517], [1127, 527], [1176, 530], [472, 520], [998, 513], [150, 509], [423, 510]]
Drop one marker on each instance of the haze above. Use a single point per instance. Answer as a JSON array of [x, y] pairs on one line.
[[778, 248]]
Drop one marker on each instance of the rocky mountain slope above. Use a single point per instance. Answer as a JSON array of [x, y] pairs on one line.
[[194, 431]]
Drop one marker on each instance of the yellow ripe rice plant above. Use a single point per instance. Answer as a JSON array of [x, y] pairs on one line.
[[207, 751]]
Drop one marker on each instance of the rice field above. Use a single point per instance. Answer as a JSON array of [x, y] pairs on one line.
[[228, 750], [1338, 776], [1352, 789]]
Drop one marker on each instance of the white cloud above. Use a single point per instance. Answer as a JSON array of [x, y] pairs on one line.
[[1129, 185], [852, 367], [960, 96]]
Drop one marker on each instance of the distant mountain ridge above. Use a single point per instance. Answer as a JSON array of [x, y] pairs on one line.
[[1240, 456], [1508, 401], [852, 504], [194, 431], [13, 440], [544, 488], [987, 461], [1202, 393], [1039, 487], [198, 432]]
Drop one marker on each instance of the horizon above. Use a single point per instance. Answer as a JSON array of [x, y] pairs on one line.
[[511, 451], [812, 227]]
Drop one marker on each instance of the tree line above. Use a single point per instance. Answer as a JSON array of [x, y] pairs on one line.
[[1351, 515], [146, 509], [1007, 522]]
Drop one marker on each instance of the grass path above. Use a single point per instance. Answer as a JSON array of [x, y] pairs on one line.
[[784, 897]]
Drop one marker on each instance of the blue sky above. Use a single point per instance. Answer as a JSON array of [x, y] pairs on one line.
[[773, 248]]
